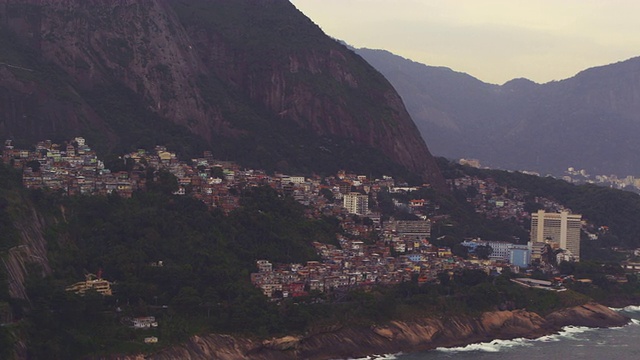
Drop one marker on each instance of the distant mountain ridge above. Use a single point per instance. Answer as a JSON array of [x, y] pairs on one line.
[[589, 121], [254, 80]]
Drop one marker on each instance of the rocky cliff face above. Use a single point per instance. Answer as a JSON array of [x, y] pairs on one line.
[[396, 336], [32, 250], [224, 71], [138, 44]]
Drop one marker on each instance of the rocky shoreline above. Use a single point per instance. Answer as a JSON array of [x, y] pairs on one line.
[[392, 337]]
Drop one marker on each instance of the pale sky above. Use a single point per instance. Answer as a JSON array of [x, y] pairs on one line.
[[493, 40]]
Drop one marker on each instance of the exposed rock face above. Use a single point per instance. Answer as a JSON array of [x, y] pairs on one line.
[[396, 336], [137, 43], [590, 315], [217, 68], [32, 250]]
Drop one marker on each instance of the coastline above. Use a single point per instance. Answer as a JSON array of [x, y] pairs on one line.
[[393, 337]]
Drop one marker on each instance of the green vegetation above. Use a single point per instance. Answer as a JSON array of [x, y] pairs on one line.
[[203, 282], [172, 258], [469, 292], [463, 221], [6, 335], [137, 127], [259, 40], [617, 209], [202, 286], [610, 285], [9, 183], [289, 148]]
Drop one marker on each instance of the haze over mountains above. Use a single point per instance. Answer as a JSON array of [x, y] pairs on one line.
[[590, 121], [255, 81]]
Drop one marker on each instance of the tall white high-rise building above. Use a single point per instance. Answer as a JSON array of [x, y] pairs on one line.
[[356, 203], [557, 229]]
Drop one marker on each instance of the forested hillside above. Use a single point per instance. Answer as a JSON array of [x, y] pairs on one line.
[[616, 209], [171, 257]]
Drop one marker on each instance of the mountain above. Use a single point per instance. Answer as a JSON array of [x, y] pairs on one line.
[[254, 80], [590, 121]]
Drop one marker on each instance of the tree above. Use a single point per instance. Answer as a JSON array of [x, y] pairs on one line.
[[217, 172], [482, 297], [444, 278], [118, 163], [460, 250], [566, 268], [165, 183], [328, 194], [470, 277], [483, 251], [532, 207], [385, 202], [34, 165], [188, 299], [472, 191]]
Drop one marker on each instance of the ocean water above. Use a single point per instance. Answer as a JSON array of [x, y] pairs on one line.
[[571, 343]]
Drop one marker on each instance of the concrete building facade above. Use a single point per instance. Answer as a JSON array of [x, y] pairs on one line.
[[356, 203], [560, 230]]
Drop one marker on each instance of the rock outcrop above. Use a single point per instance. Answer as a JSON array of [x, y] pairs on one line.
[[395, 336], [590, 315], [242, 72], [32, 250]]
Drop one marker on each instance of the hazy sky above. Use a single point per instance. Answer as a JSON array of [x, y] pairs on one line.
[[493, 40]]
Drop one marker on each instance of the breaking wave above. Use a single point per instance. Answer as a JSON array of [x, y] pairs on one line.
[[568, 332], [493, 346], [630, 308], [380, 357]]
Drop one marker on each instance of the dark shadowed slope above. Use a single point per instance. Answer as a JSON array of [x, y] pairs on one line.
[[256, 81]]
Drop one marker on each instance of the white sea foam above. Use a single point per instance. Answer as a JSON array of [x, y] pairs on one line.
[[549, 338], [492, 346], [617, 328], [630, 308], [567, 332], [380, 357], [570, 331]]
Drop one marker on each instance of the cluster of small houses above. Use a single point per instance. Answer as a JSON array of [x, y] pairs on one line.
[[499, 202], [355, 264], [103, 287], [401, 249], [143, 323], [74, 168], [580, 176]]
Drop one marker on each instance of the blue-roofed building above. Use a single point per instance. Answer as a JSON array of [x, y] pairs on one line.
[[520, 256]]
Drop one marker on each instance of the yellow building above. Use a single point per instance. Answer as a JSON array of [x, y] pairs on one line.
[[100, 285]]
